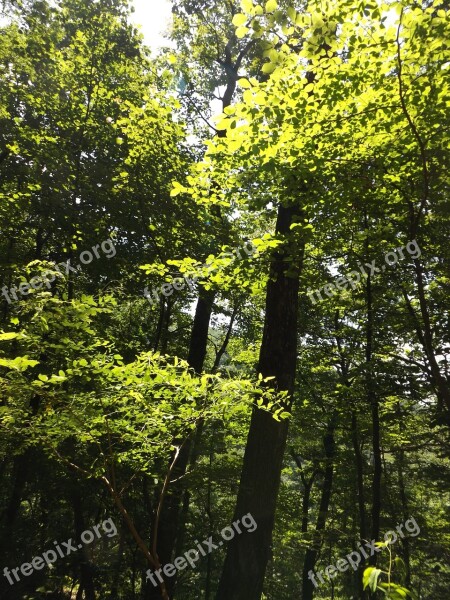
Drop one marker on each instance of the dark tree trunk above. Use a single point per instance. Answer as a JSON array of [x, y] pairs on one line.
[[439, 382], [86, 578], [359, 478], [313, 552], [406, 554], [159, 327], [224, 346], [360, 496], [114, 592], [373, 402], [247, 556], [20, 472], [4, 155], [377, 473], [307, 485], [166, 325], [200, 328]]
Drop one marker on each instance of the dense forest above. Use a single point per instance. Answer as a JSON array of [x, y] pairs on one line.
[[224, 326]]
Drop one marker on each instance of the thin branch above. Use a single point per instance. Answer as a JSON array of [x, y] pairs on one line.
[[162, 497]]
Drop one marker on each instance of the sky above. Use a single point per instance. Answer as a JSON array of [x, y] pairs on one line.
[[154, 17]]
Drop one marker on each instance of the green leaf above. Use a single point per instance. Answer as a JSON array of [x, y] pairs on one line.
[[244, 83], [370, 578], [292, 13], [268, 68], [8, 336], [239, 19], [247, 5], [271, 6], [177, 189], [242, 32]]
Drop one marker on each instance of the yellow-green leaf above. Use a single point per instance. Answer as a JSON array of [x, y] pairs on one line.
[[244, 83], [271, 5], [239, 19], [242, 32]]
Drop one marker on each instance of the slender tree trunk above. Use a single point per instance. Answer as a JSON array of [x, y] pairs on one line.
[[86, 578], [406, 554], [405, 513], [159, 327], [247, 554], [439, 382], [358, 456], [200, 328], [373, 402], [224, 346], [360, 496], [359, 477], [114, 592], [209, 559], [377, 473], [307, 485], [166, 325], [313, 551], [20, 472]]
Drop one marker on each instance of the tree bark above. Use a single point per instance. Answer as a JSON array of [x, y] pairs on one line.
[[439, 382], [200, 328], [313, 551], [375, 413], [360, 495], [359, 477], [406, 554], [86, 579], [19, 476], [224, 346], [247, 555], [307, 485]]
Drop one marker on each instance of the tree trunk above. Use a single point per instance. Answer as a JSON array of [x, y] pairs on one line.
[[359, 478], [159, 327], [247, 555], [224, 346], [313, 551], [114, 591], [200, 328], [307, 485], [19, 476], [406, 554], [166, 325], [360, 496], [86, 578], [375, 412], [439, 382]]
